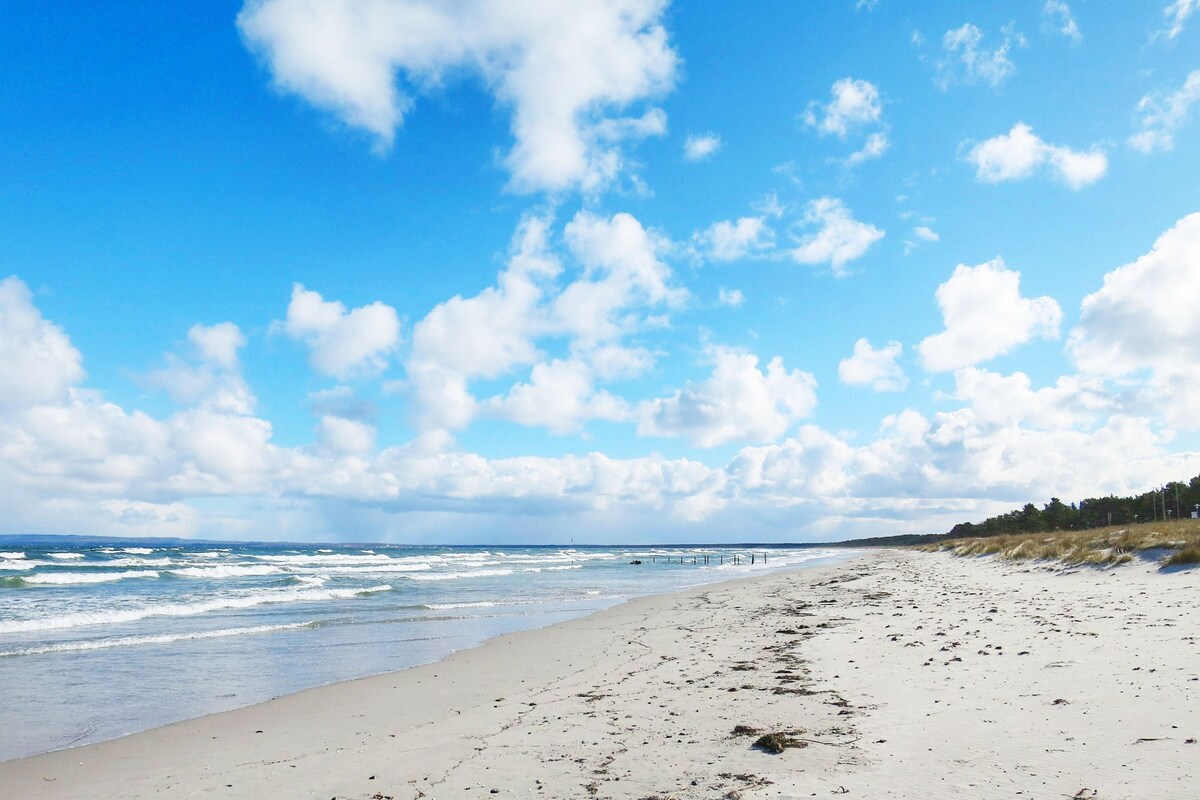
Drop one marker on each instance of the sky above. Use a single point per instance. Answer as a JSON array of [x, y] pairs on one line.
[[594, 271]]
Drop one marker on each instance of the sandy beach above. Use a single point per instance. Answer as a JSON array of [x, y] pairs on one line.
[[894, 675]]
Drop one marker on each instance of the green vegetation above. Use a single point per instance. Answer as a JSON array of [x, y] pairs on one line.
[[1176, 500], [1172, 503], [1174, 543]]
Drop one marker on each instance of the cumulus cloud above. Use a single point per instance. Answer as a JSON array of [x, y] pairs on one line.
[[985, 316], [71, 457], [1020, 153], [966, 60], [218, 344], [622, 273], [874, 368], [1163, 114], [1059, 18], [734, 240], [37, 360], [620, 288], [699, 147], [838, 238], [342, 436], [854, 103], [566, 71], [1141, 321], [996, 399], [342, 343], [560, 396], [211, 376], [737, 402]]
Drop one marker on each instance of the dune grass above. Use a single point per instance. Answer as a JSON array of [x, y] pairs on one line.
[[1179, 541]]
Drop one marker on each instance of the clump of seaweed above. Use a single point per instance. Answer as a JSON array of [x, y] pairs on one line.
[[778, 742], [744, 730]]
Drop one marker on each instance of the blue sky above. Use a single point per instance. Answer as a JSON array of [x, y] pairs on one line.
[[613, 270]]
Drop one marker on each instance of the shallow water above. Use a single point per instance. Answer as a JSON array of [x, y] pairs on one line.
[[100, 642]]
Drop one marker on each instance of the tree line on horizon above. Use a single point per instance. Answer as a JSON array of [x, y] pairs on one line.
[[1174, 500]]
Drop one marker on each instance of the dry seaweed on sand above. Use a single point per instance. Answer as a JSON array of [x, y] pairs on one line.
[[779, 741]]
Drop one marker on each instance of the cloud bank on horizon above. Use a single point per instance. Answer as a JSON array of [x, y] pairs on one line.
[[877, 302]]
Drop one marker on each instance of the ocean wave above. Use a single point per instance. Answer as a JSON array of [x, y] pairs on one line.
[[138, 551], [164, 638], [114, 616], [70, 578], [12, 555], [373, 568], [452, 606], [65, 556], [453, 576], [116, 562], [24, 564], [300, 559], [226, 571]]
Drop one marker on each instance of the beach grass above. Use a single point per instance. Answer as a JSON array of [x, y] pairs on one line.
[[1171, 544]]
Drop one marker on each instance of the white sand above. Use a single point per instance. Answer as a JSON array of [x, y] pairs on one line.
[[1082, 684]]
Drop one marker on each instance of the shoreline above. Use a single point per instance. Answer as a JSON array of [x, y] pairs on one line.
[[641, 699], [273, 622]]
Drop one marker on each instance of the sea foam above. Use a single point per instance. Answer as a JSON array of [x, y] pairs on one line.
[[165, 638], [68, 578], [115, 616]]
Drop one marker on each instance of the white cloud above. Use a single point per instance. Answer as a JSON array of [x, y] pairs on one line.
[[342, 343], [218, 344], [926, 234], [730, 297], [622, 272], [342, 436], [564, 70], [966, 61], [70, 458], [855, 103], [621, 280], [997, 399], [212, 377], [1164, 114], [738, 402], [1059, 18], [985, 316], [700, 147], [560, 396], [876, 145], [839, 239], [874, 368], [732, 241], [1018, 154], [37, 360], [1177, 14], [1143, 321]]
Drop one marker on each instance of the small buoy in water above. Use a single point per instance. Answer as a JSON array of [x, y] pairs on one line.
[[636, 561]]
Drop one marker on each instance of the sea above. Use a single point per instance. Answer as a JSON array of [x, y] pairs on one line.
[[102, 641]]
